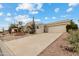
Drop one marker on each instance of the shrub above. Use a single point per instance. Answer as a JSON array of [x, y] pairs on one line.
[[74, 40], [11, 26], [75, 27], [71, 26], [68, 27]]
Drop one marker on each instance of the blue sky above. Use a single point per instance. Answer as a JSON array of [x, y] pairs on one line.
[[43, 12]]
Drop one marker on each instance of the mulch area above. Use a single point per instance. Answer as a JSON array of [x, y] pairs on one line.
[[54, 49]]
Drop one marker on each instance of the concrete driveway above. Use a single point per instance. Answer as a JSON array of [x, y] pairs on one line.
[[31, 45]]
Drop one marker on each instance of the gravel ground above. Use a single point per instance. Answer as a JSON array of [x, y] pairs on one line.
[[9, 37], [55, 49]]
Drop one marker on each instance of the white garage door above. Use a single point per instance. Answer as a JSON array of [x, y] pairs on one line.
[[57, 29]]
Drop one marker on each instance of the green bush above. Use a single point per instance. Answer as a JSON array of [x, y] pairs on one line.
[[71, 26], [68, 27], [74, 27]]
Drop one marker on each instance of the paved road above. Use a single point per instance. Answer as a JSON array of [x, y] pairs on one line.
[[31, 45]]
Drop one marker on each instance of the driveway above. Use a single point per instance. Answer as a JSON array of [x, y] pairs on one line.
[[31, 45]]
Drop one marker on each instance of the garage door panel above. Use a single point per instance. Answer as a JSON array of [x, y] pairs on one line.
[[57, 29]]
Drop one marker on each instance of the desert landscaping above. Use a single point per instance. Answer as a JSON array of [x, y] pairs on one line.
[[51, 42], [38, 30]]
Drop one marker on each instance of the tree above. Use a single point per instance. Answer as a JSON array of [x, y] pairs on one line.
[[68, 27], [11, 26], [71, 26], [32, 27]]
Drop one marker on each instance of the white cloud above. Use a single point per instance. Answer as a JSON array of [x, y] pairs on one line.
[[1, 14], [8, 14], [37, 20], [46, 18], [24, 6], [56, 9], [8, 19], [69, 9], [72, 4], [64, 15], [53, 17], [32, 8], [24, 18], [1, 6], [33, 12]]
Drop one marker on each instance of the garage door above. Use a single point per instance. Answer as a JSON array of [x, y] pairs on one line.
[[57, 29]]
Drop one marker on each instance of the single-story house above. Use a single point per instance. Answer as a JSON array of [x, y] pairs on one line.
[[58, 26]]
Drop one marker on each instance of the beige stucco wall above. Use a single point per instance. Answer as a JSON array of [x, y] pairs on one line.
[[41, 29]]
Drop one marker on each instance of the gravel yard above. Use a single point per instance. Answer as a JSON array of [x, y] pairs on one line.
[[9, 37], [55, 49]]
